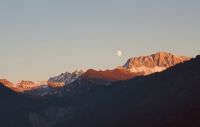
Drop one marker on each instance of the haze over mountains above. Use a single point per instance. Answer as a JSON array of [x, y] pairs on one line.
[[166, 99]]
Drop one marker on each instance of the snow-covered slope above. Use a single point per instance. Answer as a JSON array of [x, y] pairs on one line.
[[66, 78], [55, 85]]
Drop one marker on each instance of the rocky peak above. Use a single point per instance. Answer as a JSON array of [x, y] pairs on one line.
[[66, 77], [154, 63]]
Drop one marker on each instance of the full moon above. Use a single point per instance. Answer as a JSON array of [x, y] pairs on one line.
[[119, 53]]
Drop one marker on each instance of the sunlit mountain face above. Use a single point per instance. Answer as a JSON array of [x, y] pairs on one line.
[[119, 97]]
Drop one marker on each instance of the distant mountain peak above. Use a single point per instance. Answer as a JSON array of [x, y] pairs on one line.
[[67, 77], [138, 66], [154, 63]]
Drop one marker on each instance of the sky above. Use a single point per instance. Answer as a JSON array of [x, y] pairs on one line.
[[43, 38]]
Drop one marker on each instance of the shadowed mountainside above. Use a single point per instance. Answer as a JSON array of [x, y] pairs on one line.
[[167, 99]]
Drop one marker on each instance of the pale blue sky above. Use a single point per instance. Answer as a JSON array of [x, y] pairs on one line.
[[43, 38]]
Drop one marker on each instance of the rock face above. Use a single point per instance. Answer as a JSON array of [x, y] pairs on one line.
[[110, 75], [56, 84], [7, 83], [30, 85], [66, 78], [154, 63]]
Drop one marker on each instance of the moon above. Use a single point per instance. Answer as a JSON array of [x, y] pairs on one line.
[[119, 53]]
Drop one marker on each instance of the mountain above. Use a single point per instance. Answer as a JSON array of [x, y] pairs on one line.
[[30, 85], [110, 75], [57, 85], [23, 85], [66, 78], [138, 66], [154, 63], [7, 83], [166, 99], [43, 88]]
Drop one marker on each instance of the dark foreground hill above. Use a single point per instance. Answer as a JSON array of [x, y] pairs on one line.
[[167, 99]]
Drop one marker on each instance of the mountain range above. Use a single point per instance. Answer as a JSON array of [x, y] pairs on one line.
[[161, 98], [138, 66], [135, 66]]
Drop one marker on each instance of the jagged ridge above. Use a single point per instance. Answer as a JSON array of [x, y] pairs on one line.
[[154, 63]]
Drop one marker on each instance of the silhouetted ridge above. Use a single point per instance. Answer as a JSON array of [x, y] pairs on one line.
[[165, 99], [4, 91]]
